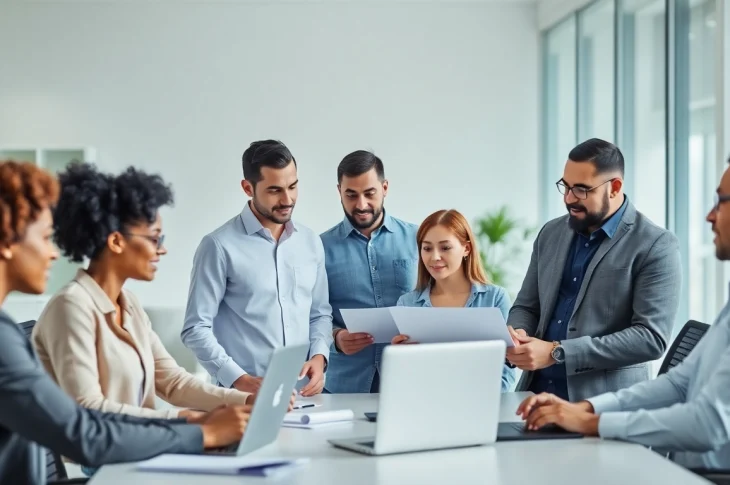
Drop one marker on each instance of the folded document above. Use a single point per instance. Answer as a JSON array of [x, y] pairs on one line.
[[220, 465], [317, 419]]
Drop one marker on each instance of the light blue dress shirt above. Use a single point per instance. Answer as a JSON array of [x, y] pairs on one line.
[[685, 411], [481, 296], [366, 273], [250, 295]]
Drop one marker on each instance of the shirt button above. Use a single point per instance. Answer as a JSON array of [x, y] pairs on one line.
[[575, 279], [373, 268], [586, 244], [560, 321]]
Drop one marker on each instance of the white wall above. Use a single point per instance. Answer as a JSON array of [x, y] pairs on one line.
[[445, 93]]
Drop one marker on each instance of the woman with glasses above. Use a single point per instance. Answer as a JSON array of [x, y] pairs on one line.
[[94, 337]]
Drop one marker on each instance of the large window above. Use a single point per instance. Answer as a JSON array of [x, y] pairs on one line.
[[559, 135], [641, 73], [696, 48], [596, 72]]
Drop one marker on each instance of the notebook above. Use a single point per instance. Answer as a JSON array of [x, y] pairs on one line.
[[220, 465]]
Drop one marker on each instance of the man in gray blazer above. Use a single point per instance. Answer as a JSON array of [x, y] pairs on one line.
[[601, 293]]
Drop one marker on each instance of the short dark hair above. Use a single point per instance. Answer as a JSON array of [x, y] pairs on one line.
[[358, 163], [93, 205], [605, 156], [265, 153]]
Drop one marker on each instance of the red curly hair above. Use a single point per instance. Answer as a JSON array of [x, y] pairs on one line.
[[25, 191]]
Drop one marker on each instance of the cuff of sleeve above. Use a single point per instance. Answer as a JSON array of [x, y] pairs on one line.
[[613, 425], [228, 373], [605, 403], [322, 349], [191, 438], [574, 354]]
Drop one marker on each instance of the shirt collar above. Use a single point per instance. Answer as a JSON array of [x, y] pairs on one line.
[[611, 225], [252, 225], [100, 299], [425, 295], [346, 227]]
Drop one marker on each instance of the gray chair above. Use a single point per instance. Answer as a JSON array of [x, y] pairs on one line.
[[718, 477], [688, 337], [55, 469]]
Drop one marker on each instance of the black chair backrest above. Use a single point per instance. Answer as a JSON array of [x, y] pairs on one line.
[[55, 469], [688, 337]]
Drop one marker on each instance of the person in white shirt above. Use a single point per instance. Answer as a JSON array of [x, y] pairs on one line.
[[685, 411]]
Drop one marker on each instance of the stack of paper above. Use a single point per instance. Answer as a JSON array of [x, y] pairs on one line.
[[220, 465], [318, 419], [429, 325]]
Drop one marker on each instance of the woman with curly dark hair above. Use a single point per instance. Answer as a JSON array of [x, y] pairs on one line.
[[34, 411], [94, 337]]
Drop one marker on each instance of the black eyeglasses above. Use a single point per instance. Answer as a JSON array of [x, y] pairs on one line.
[[719, 199], [156, 240], [579, 192]]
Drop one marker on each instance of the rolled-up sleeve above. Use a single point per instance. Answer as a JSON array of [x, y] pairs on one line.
[[207, 288]]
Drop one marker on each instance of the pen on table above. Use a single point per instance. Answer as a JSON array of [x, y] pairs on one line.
[[305, 406]]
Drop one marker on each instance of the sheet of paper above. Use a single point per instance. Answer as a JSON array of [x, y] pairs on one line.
[[219, 465], [304, 404], [434, 325], [378, 322]]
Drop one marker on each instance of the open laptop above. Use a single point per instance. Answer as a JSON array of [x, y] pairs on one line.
[[272, 400], [434, 396], [518, 432]]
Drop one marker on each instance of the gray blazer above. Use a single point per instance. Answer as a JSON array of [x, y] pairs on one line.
[[35, 413], [624, 312]]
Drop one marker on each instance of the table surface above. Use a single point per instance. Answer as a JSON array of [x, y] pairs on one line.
[[559, 462]]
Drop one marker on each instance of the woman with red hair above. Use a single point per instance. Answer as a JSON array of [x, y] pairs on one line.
[[450, 273]]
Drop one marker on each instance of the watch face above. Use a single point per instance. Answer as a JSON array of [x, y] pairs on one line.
[[558, 354]]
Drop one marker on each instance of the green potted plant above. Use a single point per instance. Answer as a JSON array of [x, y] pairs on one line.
[[502, 239]]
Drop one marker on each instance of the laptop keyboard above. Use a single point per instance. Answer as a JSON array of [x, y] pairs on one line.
[[223, 450]]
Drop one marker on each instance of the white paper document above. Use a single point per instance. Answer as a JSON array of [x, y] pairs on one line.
[[434, 325], [378, 322], [220, 465], [317, 419]]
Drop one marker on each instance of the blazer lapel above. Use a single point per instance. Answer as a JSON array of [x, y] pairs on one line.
[[603, 249], [556, 271]]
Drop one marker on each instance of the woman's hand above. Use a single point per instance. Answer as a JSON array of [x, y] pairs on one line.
[[401, 339]]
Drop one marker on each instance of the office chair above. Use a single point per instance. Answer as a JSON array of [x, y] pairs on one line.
[[718, 477], [688, 337], [55, 469]]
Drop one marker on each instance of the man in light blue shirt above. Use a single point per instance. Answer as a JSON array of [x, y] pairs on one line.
[[685, 411], [259, 282], [371, 259]]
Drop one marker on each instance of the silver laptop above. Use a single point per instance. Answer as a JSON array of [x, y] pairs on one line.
[[272, 400], [435, 396]]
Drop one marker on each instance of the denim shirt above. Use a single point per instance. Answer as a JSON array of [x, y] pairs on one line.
[[366, 273], [481, 296]]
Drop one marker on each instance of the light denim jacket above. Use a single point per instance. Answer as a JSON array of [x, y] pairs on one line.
[[481, 296]]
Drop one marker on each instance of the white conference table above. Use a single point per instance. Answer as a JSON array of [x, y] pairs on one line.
[[559, 462]]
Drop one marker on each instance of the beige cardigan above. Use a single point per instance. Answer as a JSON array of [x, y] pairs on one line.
[[114, 369]]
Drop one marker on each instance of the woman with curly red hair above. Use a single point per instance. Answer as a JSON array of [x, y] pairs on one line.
[[34, 411]]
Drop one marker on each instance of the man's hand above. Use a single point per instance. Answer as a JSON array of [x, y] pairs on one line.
[[544, 408], [402, 339], [516, 334], [192, 416], [224, 425], [530, 353], [314, 369], [352, 343], [248, 383]]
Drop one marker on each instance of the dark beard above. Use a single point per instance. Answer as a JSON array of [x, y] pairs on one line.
[[591, 219], [270, 215], [364, 225]]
